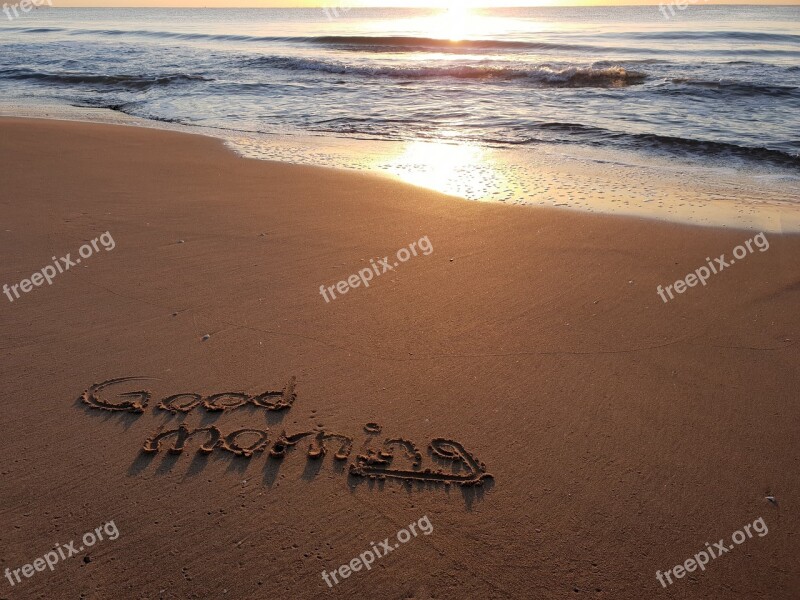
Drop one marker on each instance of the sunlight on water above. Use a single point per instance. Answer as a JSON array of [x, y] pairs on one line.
[[459, 169], [458, 22]]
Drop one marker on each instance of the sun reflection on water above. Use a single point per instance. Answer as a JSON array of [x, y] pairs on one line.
[[457, 21], [456, 168]]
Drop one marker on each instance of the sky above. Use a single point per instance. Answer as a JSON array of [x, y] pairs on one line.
[[383, 3]]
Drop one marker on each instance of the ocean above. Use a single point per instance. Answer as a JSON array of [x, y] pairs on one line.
[[717, 86]]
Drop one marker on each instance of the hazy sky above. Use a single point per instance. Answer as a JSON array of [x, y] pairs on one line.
[[414, 3]]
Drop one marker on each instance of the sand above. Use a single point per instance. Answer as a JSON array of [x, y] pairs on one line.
[[587, 434]]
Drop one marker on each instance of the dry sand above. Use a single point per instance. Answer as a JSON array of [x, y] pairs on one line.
[[621, 433]]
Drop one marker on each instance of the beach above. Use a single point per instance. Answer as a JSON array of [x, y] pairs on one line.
[[609, 109], [514, 379]]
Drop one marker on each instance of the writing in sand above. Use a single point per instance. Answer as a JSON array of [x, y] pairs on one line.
[[376, 460]]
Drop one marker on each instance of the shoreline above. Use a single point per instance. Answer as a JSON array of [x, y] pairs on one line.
[[612, 183]]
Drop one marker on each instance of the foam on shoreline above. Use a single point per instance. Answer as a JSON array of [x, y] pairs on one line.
[[607, 182]]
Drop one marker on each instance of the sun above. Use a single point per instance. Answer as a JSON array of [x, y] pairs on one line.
[[457, 20]]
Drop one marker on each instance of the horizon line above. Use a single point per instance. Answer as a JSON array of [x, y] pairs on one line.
[[575, 4]]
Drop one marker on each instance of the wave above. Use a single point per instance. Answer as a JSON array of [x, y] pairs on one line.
[[134, 109], [577, 133], [674, 144], [746, 36], [361, 42], [722, 149], [407, 43], [35, 29], [155, 34], [132, 82], [427, 44], [631, 61], [738, 88], [544, 75]]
